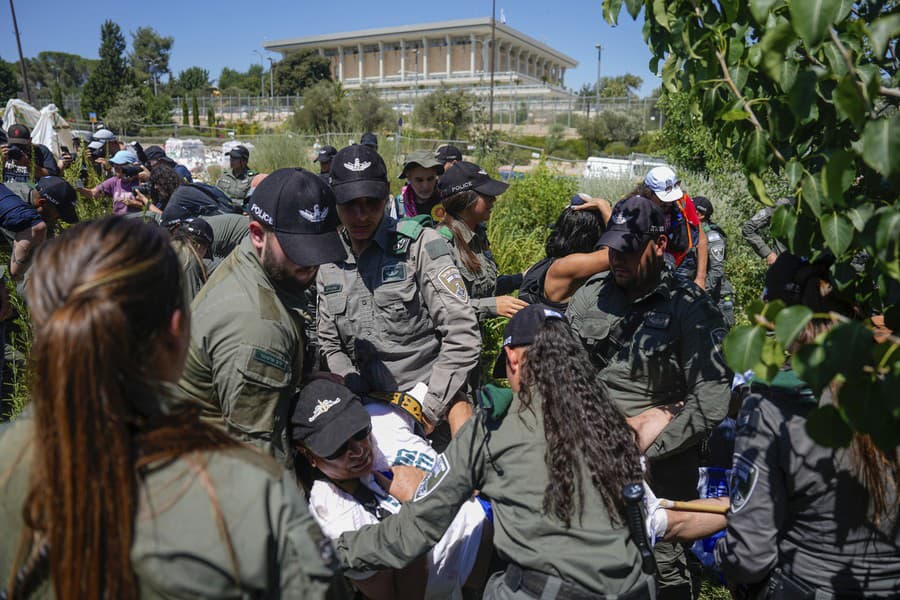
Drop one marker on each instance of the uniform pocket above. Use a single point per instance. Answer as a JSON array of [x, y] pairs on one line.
[[264, 375], [399, 307], [336, 304]]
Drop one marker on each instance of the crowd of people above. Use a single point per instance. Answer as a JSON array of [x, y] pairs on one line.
[[273, 387]]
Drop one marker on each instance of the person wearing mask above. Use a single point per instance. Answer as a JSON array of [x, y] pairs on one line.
[[111, 487], [24, 161], [235, 181], [120, 186], [571, 254], [469, 194], [655, 341], [420, 195], [553, 455], [394, 315]]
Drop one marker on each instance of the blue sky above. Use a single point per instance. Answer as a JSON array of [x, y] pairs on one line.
[[225, 33]]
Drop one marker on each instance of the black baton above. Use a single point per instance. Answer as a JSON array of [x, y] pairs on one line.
[[633, 494]]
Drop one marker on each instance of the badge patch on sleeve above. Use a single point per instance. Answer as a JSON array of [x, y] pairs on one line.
[[430, 483], [718, 252], [453, 283], [744, 475]]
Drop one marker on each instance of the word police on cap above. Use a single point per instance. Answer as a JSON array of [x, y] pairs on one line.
[[263, 215]]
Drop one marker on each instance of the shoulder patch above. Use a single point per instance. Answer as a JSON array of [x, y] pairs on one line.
[[717, 335], [445, 233], [744, 475], [410, 228], [401, 244], [453, 282], [437, 248], [495, 400], [433, 480]]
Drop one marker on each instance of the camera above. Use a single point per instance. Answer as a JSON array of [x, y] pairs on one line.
[[145, 188]]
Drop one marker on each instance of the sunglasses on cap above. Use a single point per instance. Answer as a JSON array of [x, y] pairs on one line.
[[357, 437]]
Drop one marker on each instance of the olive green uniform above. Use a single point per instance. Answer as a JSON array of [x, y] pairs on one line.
[[245, 360], [798, 507], [504, 459], [657, 350], [755, 231], [483, 287], [398, 314], [179, 550], [236, 186]]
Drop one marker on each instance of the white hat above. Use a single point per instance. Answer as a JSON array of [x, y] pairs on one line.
[[664, 184], [96, 145], [104, 135]]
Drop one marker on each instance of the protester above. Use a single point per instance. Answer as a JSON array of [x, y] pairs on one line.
[[395, 312], [24, 161], [235, 181], [120, 186], [113, 489], [572, 256], [468, 197], [553, 455], [156, 155], [420, 195]]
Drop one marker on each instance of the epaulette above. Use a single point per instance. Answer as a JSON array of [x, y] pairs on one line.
[[494, 400], [407, 231], [445, 232]]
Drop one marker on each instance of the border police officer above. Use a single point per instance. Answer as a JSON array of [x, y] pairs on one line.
[[236, 181]]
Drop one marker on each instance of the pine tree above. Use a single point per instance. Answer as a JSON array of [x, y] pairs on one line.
[[210, 116], [195, 107], [58, 99], [111, 74], [185, 117]]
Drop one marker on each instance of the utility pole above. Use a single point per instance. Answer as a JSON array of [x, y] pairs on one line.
[[493, 36], [262, 74], [599, 53], [272, 85], [12, 9]]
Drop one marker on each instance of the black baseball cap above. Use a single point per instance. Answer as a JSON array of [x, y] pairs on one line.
[[464, 176], [155, 153], [326, 153], [326, 416], [19, 134], [299, 207], [60, 194], [358, 171], [369, 139], [634, 222], [703, 206], [239, 152], [448, 152], [200, 229], [521, 331]]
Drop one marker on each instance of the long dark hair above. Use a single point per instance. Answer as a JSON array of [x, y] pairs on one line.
[[575, 231], [585, 431], [100, 295], [454, 205]]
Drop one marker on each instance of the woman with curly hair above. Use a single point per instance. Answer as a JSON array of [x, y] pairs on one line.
[[553, 456], [109, 487]]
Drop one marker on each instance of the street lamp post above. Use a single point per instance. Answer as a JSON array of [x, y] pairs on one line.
[[272, 85], [599, 53], [262, 74]]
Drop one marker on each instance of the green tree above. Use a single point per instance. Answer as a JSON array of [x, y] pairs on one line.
[[446, 110], [58, 100], [185, 115], [69, 71], [620, 86], [191, 80], [9, 83], [195, 109], [210, 116], [150, 54], [808, 90], [157, 109], [324, 109], [126, 114], [368, 112], [299, 70], [234, 83], [611, 126], [110, 76]]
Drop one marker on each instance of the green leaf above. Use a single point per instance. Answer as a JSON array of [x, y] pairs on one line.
[[772, 353], [756, 151], [660, 15], [739, 75], [880, 145], [888, 232], [883, 30], [838, 232], [783, 223], [771, 310], [611, 10], [811, 194], [669, 71], [811, 19], [860, 215], [848, 102], [794, 172], [837, 176], [758, 189], [849, 346], [634, 7], [774, 44], [735, 115], [790, 322], [743, 347], [756, 307], [811, 364], [802, 96], [760, 9], [827, 427]]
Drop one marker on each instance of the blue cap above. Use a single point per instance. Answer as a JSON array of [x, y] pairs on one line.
[[579, 199], [124, 157]]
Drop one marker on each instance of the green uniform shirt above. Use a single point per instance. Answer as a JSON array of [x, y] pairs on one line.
[[236, 186], [482, 286], [179, 550], [245, 359], [671, 353], [756, 229], [398, 315], [505, 460]]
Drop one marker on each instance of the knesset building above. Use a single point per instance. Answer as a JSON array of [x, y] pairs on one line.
[[449, 52]]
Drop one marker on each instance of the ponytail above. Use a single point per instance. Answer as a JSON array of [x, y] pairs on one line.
[[454, 205]]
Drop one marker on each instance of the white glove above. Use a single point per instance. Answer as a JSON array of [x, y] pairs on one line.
[[657, 518]]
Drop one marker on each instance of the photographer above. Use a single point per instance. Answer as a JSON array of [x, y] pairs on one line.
[[154, 195], [22, 160], [119, 187]]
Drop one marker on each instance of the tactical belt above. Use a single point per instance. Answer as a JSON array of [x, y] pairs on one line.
[[403, 401], [547, 587]]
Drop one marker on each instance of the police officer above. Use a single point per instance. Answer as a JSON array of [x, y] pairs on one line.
[[448, 155], [756, 231], [235, 181], [395, 313], [246, 357], [656, 342], [807, 521], [324, 158], [717, 284], [528, 449]]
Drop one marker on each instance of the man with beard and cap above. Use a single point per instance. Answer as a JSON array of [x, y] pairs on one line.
[[246, 357], [656, 342]]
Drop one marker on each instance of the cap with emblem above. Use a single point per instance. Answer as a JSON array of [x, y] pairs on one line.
[[664, 184], [421, 158], [326, 153], [703, 206], [369, 139], [464, 176], [521, 330], [299, 207], [633, 223], [19, 134], [447, 153], [327, 414], [239, 152], [358, 171], [60, 194]]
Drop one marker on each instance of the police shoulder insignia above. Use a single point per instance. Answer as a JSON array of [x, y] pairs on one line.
[[401, 244], [718, 252], [453, 283], [437, 248], [744, 475], [433, 480]]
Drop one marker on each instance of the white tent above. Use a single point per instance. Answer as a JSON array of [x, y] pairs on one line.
[[52, 130], [19, 112]]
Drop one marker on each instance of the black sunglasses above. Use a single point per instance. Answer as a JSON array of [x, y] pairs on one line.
[[358, 436]]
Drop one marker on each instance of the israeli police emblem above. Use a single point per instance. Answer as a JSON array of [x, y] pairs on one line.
[[453, 283], [438, 473], [744, 475], [718, 252], [391, 273]]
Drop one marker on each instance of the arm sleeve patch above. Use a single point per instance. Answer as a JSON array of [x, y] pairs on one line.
[[437, 248]]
